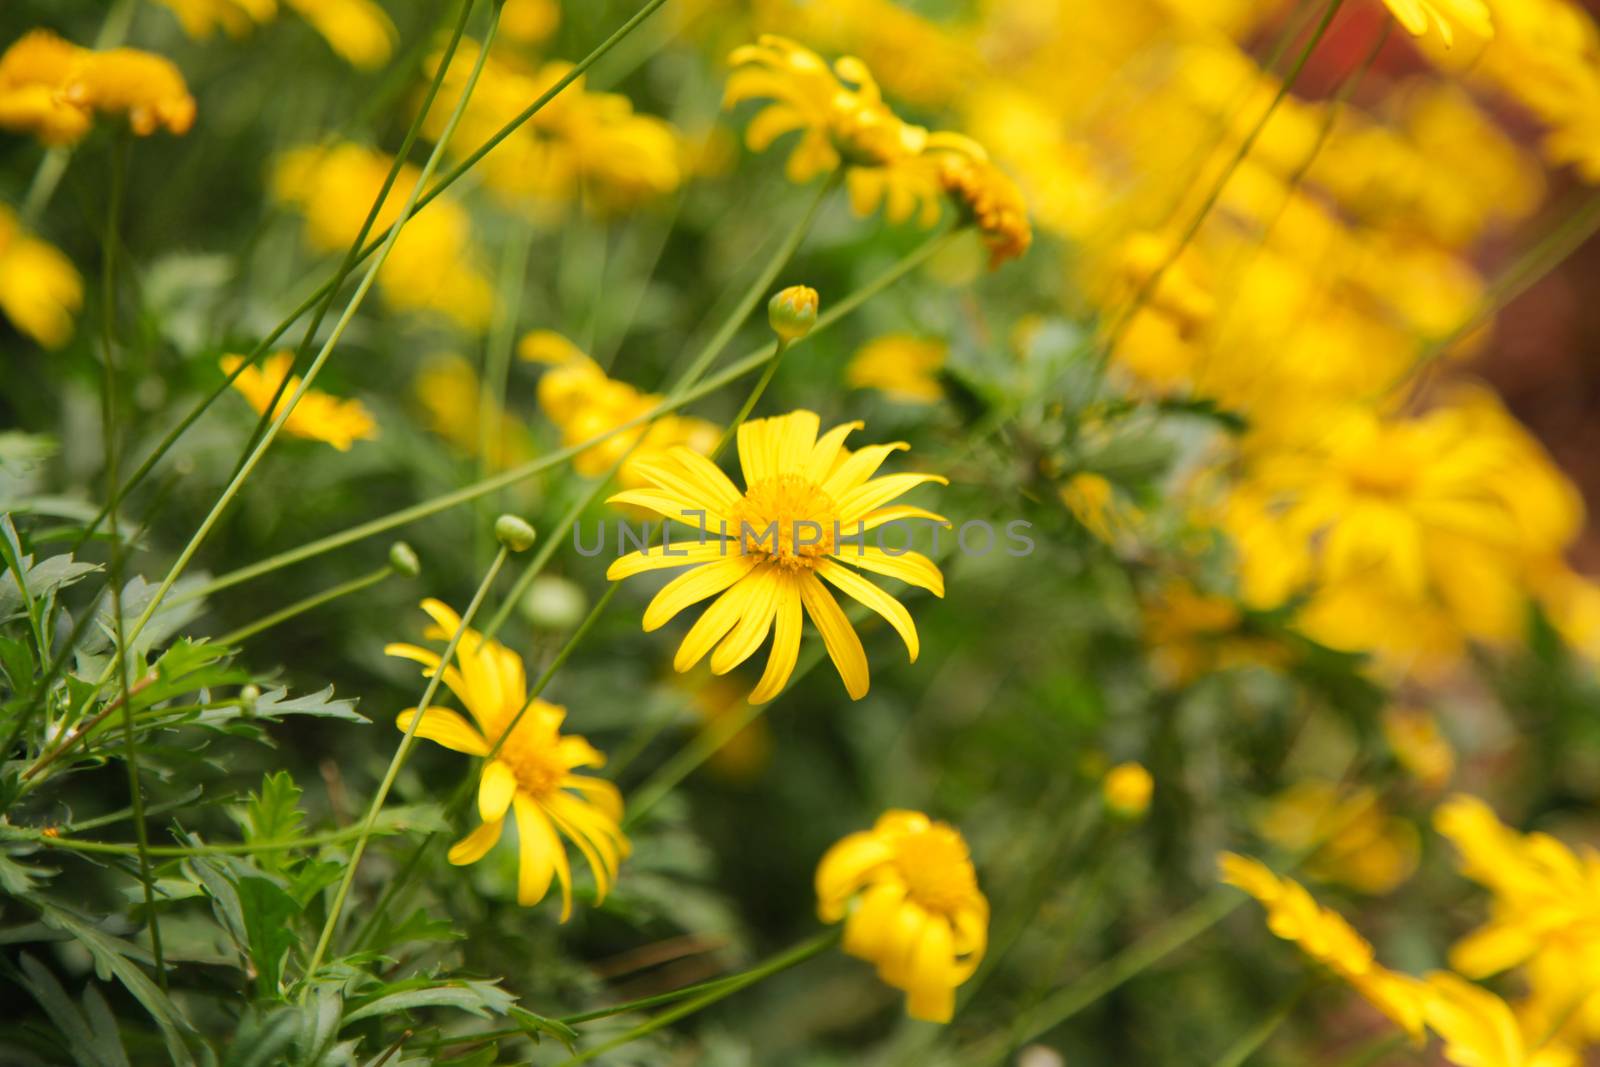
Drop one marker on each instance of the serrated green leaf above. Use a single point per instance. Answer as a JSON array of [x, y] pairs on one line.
[[268, 912], [480, 998], [274, 815]]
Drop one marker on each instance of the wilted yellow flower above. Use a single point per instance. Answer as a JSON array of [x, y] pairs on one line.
[[1357, 843], [317, 417], [51, 88], [1323, 935], [40, 290], [582, 147], [531, 775], [583, 402], [449, 391], [1126, 790], [991, 200], [902, 366], [1479, 1029], [909, 898], [433, 265], [1421, 747], [764, 553], [1418, 16]]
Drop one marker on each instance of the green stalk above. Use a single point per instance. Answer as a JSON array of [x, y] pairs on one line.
[[400, 753], [251, 848], [446, 501], [1250, 1042], [782, 962], [300, 607]]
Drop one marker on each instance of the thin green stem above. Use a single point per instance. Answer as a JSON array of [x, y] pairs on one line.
[[444, 502], [300, 607], [497, 356], [782, 962], [251, 848], [356, 299], [751, 400], [449, 179], [110, 431], [1148, 287], [1250, 1042], [401, 751]]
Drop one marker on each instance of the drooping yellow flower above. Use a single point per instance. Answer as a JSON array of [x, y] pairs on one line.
[[1418, 16], [532, 775], [1126, 789], [1357, 843], [51, 88], [768, 550], [433, 265], [1323, 935], [40, 289], [902, 366], [583, 402], [909, 898], [1479, 1029], [991, 200], [317, 417]]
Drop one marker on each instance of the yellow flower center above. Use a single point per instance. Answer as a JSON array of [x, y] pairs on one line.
[[533, 760], [788, 519], [936, 868]]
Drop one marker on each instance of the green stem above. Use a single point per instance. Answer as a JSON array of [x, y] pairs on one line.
[[1250, 1042], [798, 954], [497, 357], [117, 848], [1148, 287], [354, 304], [733, 372], [300, 607], [400, 753]]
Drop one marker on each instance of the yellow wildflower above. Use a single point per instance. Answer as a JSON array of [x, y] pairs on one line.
[[1418, 16], [531, 775], [902, 366], [40, 290], [202, 18], [317, 417], [1192, 633], [1419, 745], [583, 402], [33, 73], [1357, 843], [909, 898], [1099, 507], [991, 200], [433, 265], [1323, 935], [803, 496], [358, 30], [1126, 790], [51, 88], [449, 391], [529, 21], [1479, 1029]]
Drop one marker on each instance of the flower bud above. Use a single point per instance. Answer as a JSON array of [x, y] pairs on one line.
[[1126, 790], [793, 312], [554, 603], [514, 533], [248, 695], [403, 561]]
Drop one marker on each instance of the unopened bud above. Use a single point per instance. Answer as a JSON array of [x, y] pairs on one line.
[[248, 695], [554, 603], [403, 560], [514, 533], [1126, 790], [793, 312]]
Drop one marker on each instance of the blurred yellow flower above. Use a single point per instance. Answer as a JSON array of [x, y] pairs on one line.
[[583, 402], [358, 30], [1418, 16], [1419, 745], [1099, 507], [317, 417], [909, 898], [529, 21], [764, 553], [51, 88], [585, 148], [1126, 790], [991, 201], [450, 392], [902, 366], [1357, 844], [1479, 1029], [1192, 633], [1324, 936], [531, 775], [202, 18], [40, 290], [433, 265]]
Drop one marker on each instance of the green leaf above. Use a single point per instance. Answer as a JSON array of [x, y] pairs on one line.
[[274, 815], [91, 1035], [268, 912], [480, 998]]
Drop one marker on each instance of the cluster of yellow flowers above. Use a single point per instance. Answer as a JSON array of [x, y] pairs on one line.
[[433, 266], [1544, 923], [40, 289], [52, 88], [358, 30]]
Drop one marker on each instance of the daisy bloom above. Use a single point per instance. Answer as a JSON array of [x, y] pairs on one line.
[[33, 71], [910, 902], [804, 494], [318, 416], [51, 88], [532, 773]]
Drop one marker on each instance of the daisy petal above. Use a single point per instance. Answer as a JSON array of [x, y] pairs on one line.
[[704, 581], [495, 789], [445, 728], [476, 845], [838, 637], [785, 643], [863, 591]]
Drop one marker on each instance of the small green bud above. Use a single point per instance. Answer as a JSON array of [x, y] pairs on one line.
[[403, 560], [793, 312], [554, 603], [248, 695], [514, 533]]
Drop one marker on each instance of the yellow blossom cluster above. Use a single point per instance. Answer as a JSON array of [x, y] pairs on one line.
[[1544, 922], [52, 89], [586, 148], [433, 266], [358, 30], [40, 289]]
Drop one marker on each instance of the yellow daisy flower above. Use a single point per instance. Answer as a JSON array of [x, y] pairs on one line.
[[1480, 1030], [909, 898], [804, 494], [532, 774], [318, 416], [50, 87], [32, 73], [902, 366], [40, 290]]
